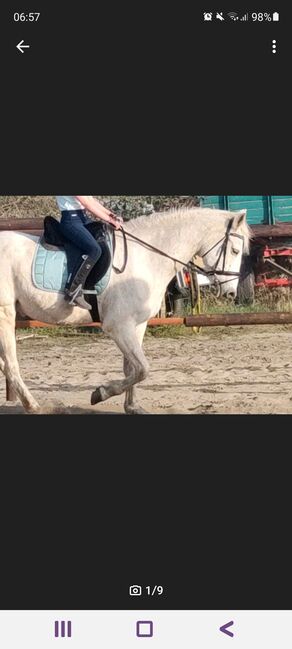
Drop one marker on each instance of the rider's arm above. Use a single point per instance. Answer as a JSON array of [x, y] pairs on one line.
[[93, 206]]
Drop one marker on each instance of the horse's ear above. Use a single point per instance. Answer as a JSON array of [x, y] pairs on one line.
[[239, 218]]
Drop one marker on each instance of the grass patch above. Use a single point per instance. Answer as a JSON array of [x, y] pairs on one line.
[[174, 331], [66, 331], [267, 300]]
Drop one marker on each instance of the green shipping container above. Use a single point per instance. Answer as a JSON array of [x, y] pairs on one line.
[[260, 209]]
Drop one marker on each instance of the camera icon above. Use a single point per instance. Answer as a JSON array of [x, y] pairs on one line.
[[134, 591]]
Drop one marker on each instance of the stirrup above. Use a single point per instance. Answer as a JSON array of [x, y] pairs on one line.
[[77, 299], [70, 297]]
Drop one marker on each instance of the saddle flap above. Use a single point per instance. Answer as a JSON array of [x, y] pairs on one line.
[[98, 230]]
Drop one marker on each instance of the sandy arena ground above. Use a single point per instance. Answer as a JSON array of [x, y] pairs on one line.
[[236, 370]]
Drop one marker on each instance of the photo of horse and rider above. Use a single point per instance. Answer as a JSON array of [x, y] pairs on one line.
[[76, 260]]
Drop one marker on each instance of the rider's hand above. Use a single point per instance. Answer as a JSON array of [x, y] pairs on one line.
[[116, 221]]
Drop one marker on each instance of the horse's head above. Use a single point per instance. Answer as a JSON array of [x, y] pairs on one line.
[[222, 252]]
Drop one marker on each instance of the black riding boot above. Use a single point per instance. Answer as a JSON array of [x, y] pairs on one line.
[[74, 292]]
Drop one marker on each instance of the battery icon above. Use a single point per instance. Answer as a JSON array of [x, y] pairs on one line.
[[276, 16]]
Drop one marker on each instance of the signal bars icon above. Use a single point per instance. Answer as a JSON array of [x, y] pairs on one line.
[[245, 17]]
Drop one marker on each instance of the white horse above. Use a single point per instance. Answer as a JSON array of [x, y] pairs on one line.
[[131, 298]]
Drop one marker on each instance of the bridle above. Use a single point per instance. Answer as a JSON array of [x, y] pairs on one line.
[[189, 265], [222, 253]]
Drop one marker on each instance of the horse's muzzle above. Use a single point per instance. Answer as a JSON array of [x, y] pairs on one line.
[[231, 295]]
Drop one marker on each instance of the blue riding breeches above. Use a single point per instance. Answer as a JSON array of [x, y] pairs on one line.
[[73, 228]]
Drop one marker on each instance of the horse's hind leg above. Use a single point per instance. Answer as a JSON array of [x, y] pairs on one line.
[[9, 364], [130, 405], [127, 340]]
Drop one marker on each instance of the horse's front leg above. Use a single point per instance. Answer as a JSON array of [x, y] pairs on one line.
[[127, 339], [130, 405]]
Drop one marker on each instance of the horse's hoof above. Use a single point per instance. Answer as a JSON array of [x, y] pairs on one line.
[[98, 395], [34, 409], [135, 410]]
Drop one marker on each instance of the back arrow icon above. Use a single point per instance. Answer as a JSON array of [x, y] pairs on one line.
[[225, 627], [21, 46]]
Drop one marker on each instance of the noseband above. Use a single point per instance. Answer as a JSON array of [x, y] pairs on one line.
[[222, 254]]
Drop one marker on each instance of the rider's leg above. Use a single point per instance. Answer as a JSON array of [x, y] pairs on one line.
[[73, 228]]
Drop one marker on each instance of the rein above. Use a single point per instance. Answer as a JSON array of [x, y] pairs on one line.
[[189, 265], [121, 270]]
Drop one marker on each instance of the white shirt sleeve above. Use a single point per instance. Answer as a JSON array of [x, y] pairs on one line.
[[68, 203]]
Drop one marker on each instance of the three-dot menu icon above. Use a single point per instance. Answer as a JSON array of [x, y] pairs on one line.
[[274, 46]]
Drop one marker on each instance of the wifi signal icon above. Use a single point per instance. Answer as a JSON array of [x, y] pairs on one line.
[[233, 15]]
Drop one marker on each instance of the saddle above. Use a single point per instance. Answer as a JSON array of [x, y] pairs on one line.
[[53, 239]]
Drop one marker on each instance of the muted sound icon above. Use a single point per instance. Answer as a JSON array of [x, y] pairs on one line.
[[63, 629]]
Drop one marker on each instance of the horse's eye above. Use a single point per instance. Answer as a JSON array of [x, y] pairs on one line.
[[234, 251]]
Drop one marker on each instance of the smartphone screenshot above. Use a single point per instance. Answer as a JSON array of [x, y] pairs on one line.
[[145, 327]]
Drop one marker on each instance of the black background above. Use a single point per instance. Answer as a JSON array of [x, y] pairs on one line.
[[121, 103], [199, 505]]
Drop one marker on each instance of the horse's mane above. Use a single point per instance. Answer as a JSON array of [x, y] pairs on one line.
[[177, 214]]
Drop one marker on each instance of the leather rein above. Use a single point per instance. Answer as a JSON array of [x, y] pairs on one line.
[[189, 265]]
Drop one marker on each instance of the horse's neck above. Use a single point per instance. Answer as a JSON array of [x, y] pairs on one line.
[[180, 236]]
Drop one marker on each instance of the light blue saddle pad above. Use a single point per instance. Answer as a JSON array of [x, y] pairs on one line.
[[50, 271]]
